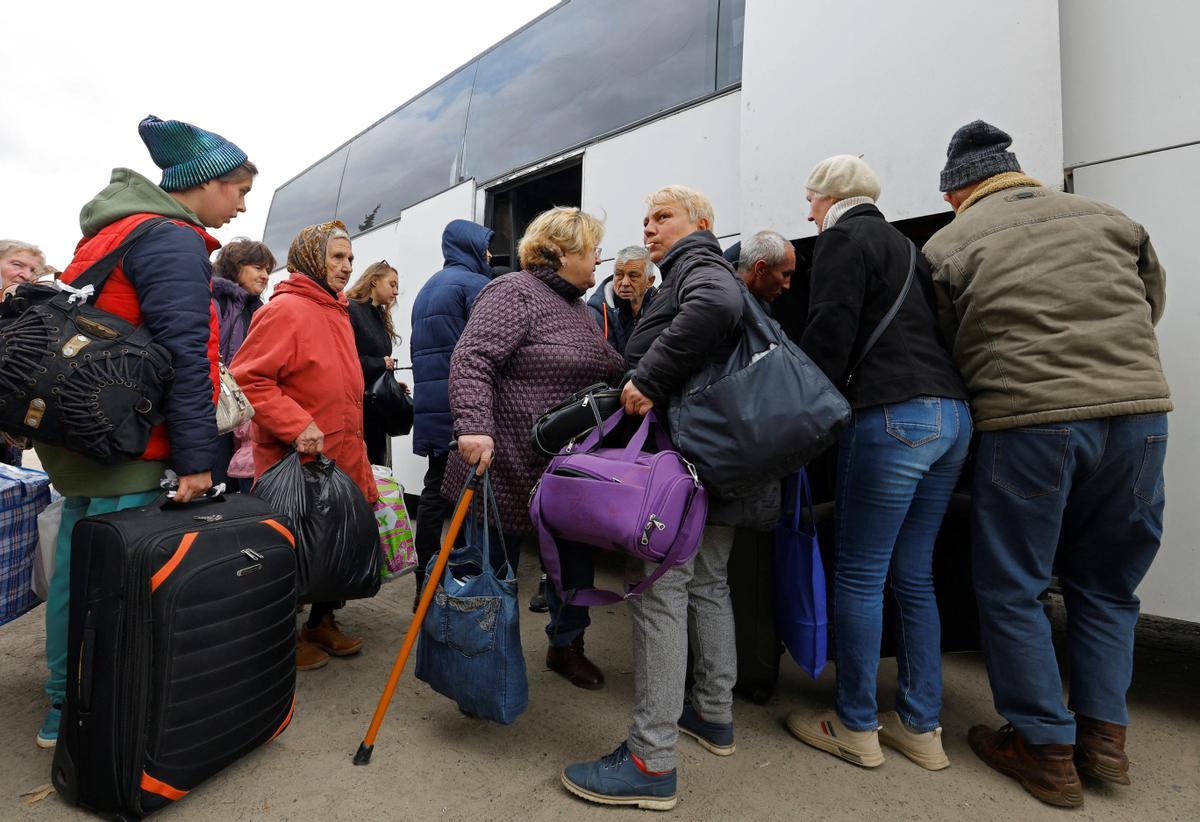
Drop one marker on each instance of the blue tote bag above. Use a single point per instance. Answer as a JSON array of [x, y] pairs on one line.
[[800, 613], [470, 644]]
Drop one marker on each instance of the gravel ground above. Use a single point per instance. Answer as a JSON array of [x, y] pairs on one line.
[[431, 762]]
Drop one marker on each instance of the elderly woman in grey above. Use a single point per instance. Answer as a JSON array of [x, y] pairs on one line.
[[622, 299]]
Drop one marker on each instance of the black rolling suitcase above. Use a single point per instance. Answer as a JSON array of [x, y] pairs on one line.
[[182, 649], [752, 590]]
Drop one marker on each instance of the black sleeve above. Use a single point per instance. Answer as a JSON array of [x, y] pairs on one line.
[[372, 366], [838, 287], [710, 308], [170, 271]]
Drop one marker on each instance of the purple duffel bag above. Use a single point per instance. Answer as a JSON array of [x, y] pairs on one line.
[[626, 499]]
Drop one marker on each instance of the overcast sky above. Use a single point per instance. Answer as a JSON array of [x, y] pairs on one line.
[[287, 81]]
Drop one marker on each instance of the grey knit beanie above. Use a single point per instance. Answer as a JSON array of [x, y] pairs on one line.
[[976, 152]]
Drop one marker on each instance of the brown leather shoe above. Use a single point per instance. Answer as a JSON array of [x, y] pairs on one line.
[[329, 638], [1100, 750], [568, 661], [1046, 771], [309, 657]]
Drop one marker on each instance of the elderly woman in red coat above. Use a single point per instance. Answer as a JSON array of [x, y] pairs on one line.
[[299, 369]]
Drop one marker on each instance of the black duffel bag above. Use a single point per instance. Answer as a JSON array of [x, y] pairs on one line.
[[387, 399], [574, 418], [75, 376], [760, 415]]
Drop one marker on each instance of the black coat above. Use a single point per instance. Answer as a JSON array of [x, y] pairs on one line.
[[370, 338], [859, 267], [692, 321]]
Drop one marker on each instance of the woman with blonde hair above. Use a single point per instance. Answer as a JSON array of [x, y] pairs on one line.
[[529, 344], [371, 299]]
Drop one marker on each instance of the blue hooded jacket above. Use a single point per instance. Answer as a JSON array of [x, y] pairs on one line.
[[439, 316]]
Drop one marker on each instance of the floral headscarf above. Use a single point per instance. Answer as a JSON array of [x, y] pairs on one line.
[[306, 254]]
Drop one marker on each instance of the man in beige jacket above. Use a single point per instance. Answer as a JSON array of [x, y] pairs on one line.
[[1048, 302]]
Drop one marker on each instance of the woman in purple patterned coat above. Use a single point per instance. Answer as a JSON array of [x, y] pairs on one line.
[[529, 344]]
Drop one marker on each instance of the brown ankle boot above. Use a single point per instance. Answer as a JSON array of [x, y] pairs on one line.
[[329, 638], [569, 661], [1046, 771], [1100, 750], [309, 657]]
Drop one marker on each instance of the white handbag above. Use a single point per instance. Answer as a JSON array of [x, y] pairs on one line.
[[48, 523], [233, 409]]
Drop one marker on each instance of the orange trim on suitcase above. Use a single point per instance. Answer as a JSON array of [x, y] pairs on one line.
[[281, 530], [185, 545], [151, 785], [286, 720]]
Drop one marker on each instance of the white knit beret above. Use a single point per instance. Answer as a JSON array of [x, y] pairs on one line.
[[843, 176]]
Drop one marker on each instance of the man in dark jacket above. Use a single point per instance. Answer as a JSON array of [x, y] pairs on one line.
[[766, 263], [693, 321], [439, 316], [164, 282], [623, 298]]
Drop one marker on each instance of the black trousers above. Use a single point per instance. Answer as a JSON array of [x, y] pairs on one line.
[[376, 439], [431, 513]]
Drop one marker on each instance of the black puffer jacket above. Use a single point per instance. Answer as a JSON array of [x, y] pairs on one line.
[[691, 322], [695, 320], [859, 267]]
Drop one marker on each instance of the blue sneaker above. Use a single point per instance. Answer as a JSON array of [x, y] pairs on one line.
[[715, 737], [617, 779], [48, 736]]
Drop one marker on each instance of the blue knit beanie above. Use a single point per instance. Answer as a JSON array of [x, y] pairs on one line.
[[976, 152], [188, 155]]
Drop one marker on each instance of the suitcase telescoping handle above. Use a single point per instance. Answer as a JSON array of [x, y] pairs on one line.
[[363, 755]]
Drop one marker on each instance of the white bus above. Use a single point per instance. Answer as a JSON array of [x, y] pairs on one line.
[[598, 102]]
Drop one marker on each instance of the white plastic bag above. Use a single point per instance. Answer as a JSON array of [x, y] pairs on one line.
[[43, 561]]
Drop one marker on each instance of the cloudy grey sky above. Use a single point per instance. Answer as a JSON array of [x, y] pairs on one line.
[[286, 81]]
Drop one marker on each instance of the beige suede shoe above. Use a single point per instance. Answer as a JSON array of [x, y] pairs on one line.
[[826, 732], [923, 748]]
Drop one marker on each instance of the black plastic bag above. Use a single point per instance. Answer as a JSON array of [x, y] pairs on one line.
[[387, 399], [337, 539]]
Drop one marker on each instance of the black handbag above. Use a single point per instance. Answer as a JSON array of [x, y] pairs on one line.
[[76, 376], [391, 405], [573, 418], [760, 415]]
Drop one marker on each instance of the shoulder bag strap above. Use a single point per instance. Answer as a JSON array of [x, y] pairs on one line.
[[97, 274], [889, 316]]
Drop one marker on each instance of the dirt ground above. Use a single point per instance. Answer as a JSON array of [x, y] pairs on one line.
[[431, 762]]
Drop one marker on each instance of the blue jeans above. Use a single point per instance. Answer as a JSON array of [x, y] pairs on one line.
[[1083, 500], [897, 467]]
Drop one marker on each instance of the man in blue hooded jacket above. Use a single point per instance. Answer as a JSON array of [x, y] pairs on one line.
[[439, 316]]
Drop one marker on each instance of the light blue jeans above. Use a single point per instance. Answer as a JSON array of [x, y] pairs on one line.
[[897, 467]]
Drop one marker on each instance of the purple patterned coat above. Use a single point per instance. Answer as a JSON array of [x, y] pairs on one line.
[[529, 344]]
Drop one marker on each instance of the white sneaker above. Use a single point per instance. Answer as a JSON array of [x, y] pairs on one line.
[[826, 732], [923, 748]]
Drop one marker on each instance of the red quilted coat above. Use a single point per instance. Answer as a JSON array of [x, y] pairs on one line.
[[299, 365], [530, 343]]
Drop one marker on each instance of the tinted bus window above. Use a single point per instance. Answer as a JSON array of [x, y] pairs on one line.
[[309, 199], [730, 28], [409, 156], [588, 68]]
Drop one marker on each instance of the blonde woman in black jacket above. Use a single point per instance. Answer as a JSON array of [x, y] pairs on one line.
[[371, 300]]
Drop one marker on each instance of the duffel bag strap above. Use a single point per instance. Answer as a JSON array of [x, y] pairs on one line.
[[97, 274]]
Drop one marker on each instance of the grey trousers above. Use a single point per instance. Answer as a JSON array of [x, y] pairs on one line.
[[688, 602]]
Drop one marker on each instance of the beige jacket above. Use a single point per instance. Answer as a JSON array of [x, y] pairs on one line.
[[1048, 302]]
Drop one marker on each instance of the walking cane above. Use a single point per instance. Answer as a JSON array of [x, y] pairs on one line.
[[363, 756]]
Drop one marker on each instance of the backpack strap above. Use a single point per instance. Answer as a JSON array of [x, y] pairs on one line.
[[97, 274]]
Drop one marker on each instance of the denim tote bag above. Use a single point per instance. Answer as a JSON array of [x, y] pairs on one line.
[[800, 614], [470, 644]]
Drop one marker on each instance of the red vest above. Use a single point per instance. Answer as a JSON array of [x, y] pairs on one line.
[[119, 297]]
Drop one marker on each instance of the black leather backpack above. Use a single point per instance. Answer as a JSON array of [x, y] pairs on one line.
[[75, 376]]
